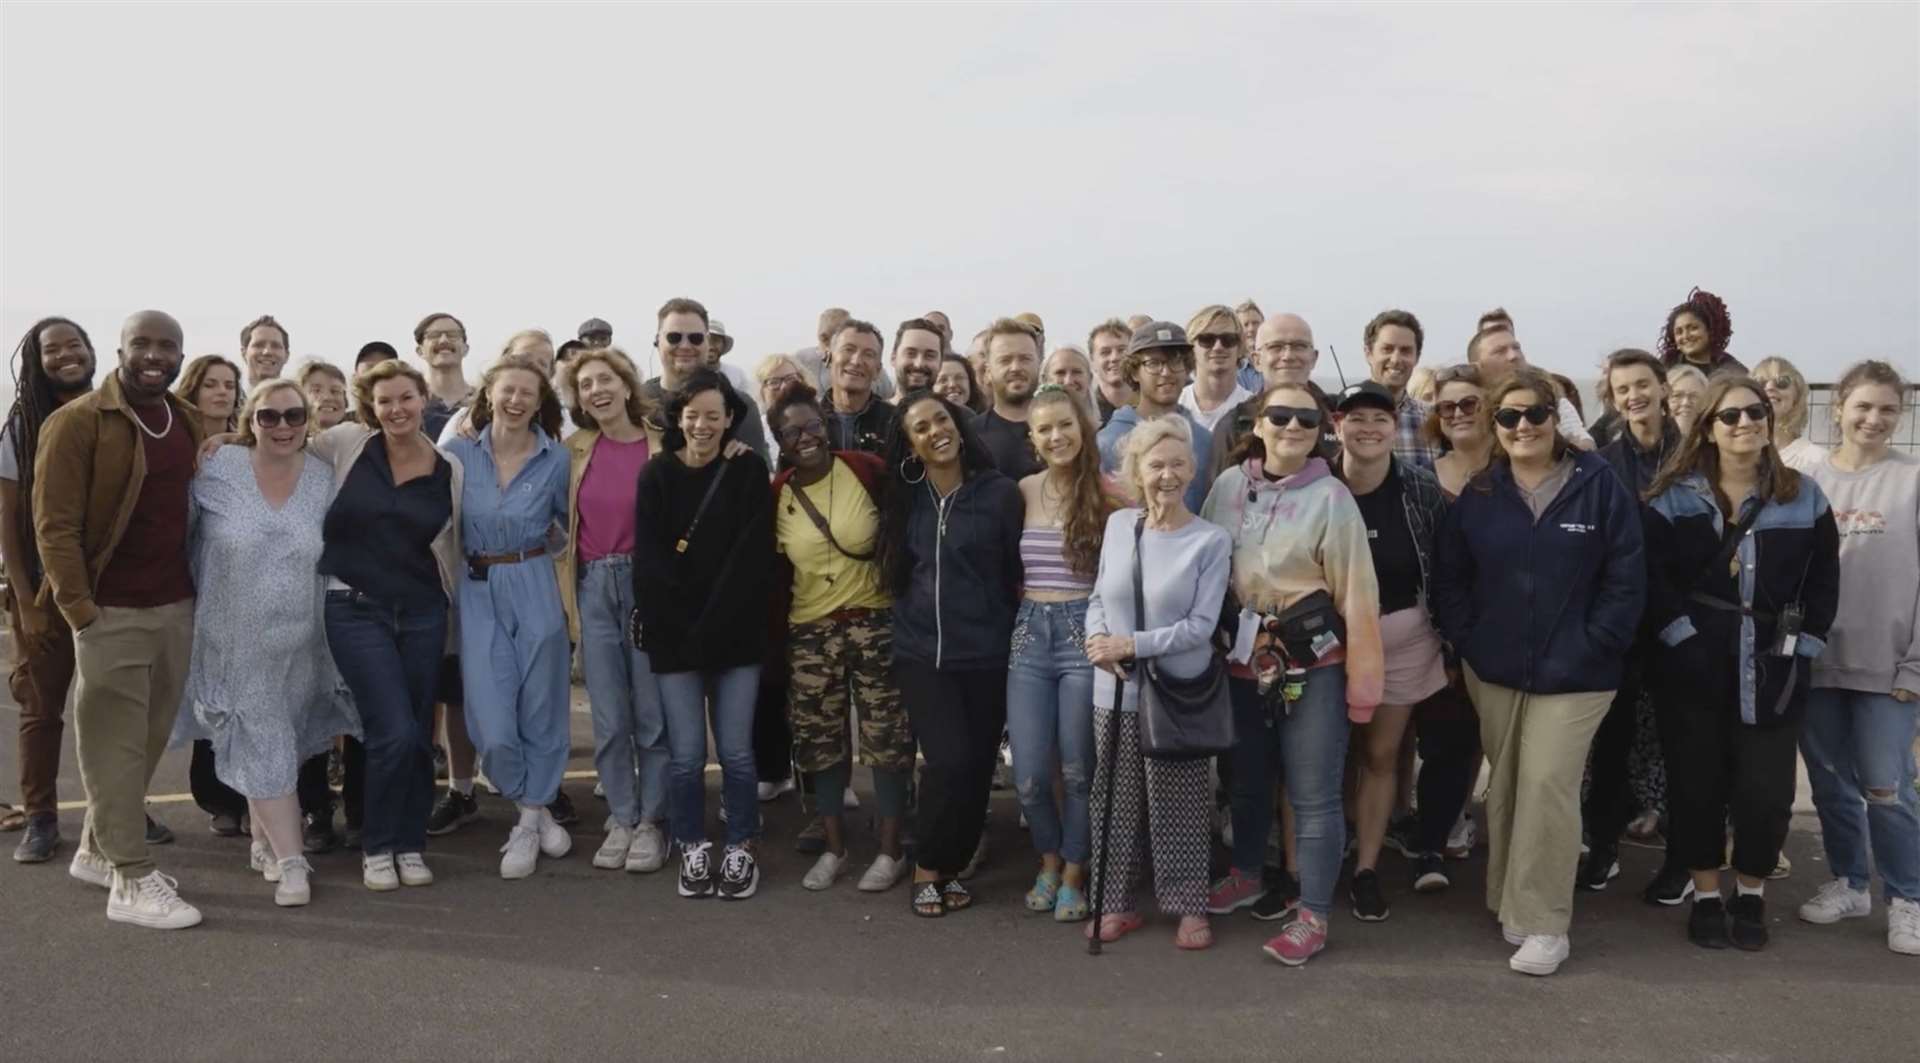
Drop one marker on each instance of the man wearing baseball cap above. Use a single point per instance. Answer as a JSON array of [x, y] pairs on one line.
[[1159, 364], [596, 333]]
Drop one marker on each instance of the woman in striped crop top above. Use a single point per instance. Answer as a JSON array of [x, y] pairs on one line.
[[1049, 679]]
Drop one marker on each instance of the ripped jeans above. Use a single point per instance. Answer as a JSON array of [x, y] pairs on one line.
[[1859, 753], [1050, 720]]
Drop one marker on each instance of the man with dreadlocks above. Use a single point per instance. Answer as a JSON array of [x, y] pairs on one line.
[[53, 364]]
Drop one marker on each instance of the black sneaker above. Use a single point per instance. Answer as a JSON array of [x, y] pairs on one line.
[[696, 870], [1430, 873], [157, 833], [1401, 833], [1707, 924], [1369, 903], [562, 809], [1749, 912], [42, 838], [453, 811], [739, 874], [1282, 898], [224, 824], [316, 833], [1602, 866], [1672, 886]]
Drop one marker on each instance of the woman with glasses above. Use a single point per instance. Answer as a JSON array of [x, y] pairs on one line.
[[775, 374], [1460, 427], [1307, 661], [1743, 581], [260, 686], [1538, 586], [1786, 390], [1685, 385]]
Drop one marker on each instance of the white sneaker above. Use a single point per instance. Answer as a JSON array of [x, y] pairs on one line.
[[91, 868], [260, 858], [294, 889], [413, 870], [850, 799], [378, 874], [1837, 900], [1514, 937], [1903, 927], [612, 854], [522, 849], [979, 858], [648, 852], [555, 842], [153, 902], [883, 874], [1542, 954], [770, 790], [1462, 838], [826, 871]]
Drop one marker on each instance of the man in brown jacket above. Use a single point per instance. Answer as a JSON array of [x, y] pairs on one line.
[[110, 512]]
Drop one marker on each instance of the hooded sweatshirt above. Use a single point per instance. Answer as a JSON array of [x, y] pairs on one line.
[[1113, 445], [1874, 644]]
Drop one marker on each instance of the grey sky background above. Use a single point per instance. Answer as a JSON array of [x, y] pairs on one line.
[[350, 167]]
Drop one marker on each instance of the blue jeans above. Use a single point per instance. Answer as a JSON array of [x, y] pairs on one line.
[[1309, 746], [629, 723], [686, 695], [1049, 719], [389, 657], [1854, 743]]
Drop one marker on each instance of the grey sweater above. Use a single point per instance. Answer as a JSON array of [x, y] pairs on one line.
[[1184, 574], [1874, 644]]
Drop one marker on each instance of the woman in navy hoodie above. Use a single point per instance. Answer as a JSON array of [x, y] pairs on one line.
[[950, 553], [1538, 585], [1743, 583]]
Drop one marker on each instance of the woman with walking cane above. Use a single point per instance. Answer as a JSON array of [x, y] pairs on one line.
[[1184, 564]]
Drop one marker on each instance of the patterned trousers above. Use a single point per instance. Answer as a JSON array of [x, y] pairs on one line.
[[842, 657], [1162, 806]]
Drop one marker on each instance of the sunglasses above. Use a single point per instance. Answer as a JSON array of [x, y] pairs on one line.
[[1282, 416], [266, 417], [1730, 416], [1217, 339], [693, 339], [1509, 417], [1779, 383], [1448, 408]]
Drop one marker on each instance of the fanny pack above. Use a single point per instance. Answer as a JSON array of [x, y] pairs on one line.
[[1309, 630]]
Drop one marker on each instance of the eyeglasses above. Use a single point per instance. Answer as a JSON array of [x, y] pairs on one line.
[[693, 339], [1217, 339], [267, 417], [1304, 416], [793, 433], [1509, 417], [782, 380], [446, 334], [1157, 366], [1286, 347], [1730, 415], [1449, 408]]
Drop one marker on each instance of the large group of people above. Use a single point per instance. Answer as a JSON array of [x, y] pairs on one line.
[[324, 579]]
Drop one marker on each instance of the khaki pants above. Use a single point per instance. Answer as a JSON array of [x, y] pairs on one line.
[[132, 666], [1537, 747]]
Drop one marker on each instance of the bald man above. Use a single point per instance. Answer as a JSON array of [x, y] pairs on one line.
[[1284, 353], [110, 512]]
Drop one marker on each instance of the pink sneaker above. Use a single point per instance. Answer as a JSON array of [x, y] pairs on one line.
[[1235, 891], [1300, 941]]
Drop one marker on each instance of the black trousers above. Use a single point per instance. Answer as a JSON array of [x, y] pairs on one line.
[[772, 735], [1448, 732], [957, 718], [316, 797], [213, 796], [1721, 770], [1609, 806]]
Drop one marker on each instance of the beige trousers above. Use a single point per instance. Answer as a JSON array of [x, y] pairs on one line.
[[131, 667]]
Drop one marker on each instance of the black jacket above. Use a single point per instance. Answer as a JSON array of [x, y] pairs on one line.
[[956, 612], [1635, 466], [704, 609], [871, 430]]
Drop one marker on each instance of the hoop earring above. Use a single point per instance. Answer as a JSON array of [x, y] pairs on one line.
[[913, 479]]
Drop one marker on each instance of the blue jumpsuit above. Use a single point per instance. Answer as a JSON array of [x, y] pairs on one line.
[[514, 657]]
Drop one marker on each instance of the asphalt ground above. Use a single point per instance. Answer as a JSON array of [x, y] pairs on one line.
[[581, 963]]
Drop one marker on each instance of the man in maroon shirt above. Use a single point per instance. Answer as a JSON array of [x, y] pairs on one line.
[[110, 511]]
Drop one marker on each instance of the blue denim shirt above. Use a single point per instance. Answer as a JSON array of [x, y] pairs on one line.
[[493, 521]]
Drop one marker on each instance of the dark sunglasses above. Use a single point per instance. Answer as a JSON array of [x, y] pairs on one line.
[[1730, 416], [1508, 417], [1779, 383], [1304, 416], [1447, 408], [693, 339], [270, 418], [1217, 339]]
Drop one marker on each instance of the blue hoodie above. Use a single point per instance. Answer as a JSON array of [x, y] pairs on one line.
[[1547, 607], [1113, 441]]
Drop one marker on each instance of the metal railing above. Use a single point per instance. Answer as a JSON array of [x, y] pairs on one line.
[[1822, 429]]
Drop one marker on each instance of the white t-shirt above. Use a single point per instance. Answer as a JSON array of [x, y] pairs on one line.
[[1210, 418]]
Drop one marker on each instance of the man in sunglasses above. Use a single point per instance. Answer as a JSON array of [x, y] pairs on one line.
[[1159, 363], [595, 332], [1392, 341], [1496, 351], [680, 338], [1216, 388], [1284, 353]]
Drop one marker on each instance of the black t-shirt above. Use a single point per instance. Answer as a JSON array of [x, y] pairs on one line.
[[1008, 443], [1396, 562]]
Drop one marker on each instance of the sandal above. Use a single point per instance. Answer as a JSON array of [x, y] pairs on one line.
[[1195, 932], [1071, 906], [924, 898], [955, 895], [1115, 925], [1046, 887], [11, 818]]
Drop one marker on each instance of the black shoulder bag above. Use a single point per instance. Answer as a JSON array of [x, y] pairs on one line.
[[680, 546], [1180, 719]]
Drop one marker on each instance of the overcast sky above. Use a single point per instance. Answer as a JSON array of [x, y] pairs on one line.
[[349, 167]]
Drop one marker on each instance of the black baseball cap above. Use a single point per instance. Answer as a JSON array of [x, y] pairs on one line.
[[1365, 393], [377, 351]]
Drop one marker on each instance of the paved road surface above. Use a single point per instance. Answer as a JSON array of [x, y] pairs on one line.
[[587, 964]]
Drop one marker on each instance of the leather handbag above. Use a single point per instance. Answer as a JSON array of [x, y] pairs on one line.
[[1180, 718]]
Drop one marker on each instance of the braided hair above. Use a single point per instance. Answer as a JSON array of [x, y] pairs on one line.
[[34, 401], [1712, 312]]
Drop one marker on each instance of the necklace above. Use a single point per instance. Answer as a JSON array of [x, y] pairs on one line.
[[151, 434], [941, 507]]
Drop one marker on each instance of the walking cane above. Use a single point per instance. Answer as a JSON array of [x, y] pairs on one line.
[[1106, 817]]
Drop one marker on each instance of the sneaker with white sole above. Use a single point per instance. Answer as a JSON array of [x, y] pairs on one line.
[[648, 851], [1233, 891], [413, 870], [377, 873], [612, 854], [153, 902], [979, 859], [1835, 901], [739, 873], [1302, 940], [1513, 937], [555, 842], [696, 869], [91, 868], [1903, 926], [294, 889], [260, 858], [768, 791], [850, 799], [521, 852], [825, 872], [883, 874], [1542, 954], [1462, 838]]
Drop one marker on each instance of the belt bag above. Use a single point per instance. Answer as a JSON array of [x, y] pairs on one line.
[[1180, 718], [1309, 630]]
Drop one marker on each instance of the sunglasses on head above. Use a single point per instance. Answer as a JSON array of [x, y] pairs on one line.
[[1217, 339], [1730, 416], [693, 339], [266, 417], [1466, 407], [1509, 417], [1282, 416]]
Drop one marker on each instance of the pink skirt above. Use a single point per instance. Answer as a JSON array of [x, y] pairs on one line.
[[1415, 671]]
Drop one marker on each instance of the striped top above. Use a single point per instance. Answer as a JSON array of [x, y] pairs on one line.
[[1043, 553]]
